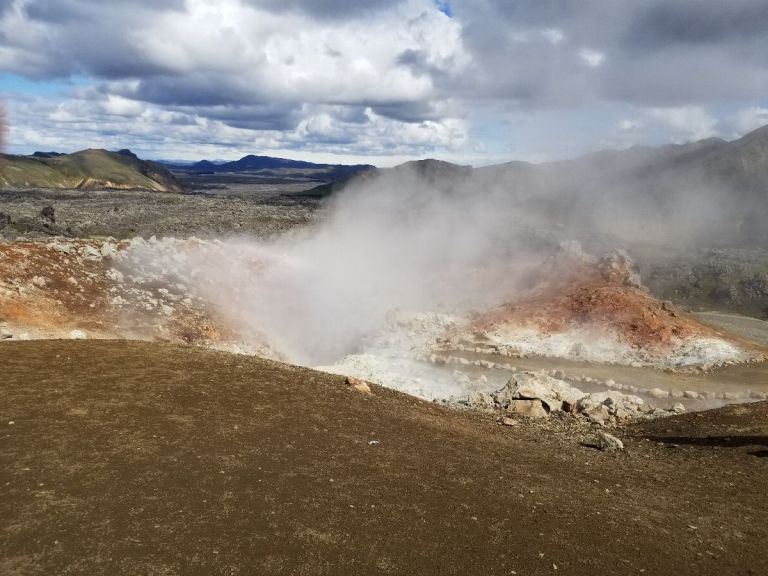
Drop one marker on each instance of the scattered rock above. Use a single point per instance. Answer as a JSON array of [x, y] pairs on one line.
[[678, 408], [108, 250], [527, 408], [598, 414], [115, 276], [49, 214], [555, 394], [480, 401], [608, 443], [359, 385], [506, 421], [62, 247], [537, 395], [90, 253]]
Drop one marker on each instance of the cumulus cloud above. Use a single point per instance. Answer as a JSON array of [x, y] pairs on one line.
[[350, 73], [591, 58], [751, 118], [253, 65], [688, 122]]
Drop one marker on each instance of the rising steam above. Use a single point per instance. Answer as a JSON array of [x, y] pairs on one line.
[[424, 237]]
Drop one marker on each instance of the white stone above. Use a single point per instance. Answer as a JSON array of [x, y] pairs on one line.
[[528, 408], [609, 443]]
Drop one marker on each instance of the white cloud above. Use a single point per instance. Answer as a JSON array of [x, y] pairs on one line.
[[686, 122], [155, 131], [346, 75], [120, 106], [629, 125], [553, 35], [236, 74], [751, 118], [591, 58]]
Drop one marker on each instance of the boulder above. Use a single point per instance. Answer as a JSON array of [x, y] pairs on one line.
[[598, 414], [608, 443], [62, 247], [555, 394], [527, 408], [49, 214], [358, 385], [107, 250], [90, 253], [658, 393]]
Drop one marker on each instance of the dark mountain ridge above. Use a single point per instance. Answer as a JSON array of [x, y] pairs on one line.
[[710, 192], [268, 165]]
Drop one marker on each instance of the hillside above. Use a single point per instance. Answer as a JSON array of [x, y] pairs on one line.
[[711, 192], [145, 458], [86, 170]]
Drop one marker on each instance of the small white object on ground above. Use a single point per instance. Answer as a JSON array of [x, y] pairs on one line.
[[609, 443]]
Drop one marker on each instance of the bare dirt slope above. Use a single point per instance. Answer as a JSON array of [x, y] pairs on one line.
[[138, 458]]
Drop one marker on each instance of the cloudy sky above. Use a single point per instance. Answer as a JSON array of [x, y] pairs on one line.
[[379, 81]]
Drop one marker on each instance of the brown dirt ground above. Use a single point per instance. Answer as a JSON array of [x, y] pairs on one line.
[[140, 458]]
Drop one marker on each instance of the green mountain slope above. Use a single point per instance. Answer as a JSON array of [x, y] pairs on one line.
[[88, 170]]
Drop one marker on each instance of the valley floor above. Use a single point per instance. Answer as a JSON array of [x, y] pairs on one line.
[[144, 458]]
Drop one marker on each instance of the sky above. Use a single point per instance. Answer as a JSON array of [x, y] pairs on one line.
[[379, 81]]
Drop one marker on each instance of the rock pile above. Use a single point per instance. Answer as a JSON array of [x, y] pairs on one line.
[[538, 395]]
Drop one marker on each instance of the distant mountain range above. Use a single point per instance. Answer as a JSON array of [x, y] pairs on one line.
[[86, 170], [269, 166], [709, 192]]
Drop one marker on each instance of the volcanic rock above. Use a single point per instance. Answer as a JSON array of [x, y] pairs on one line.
[[359, 385], [90, 253], [527, 408], [480, 401], [62, 247], [555, 394], [609, 443], [49, 214]]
